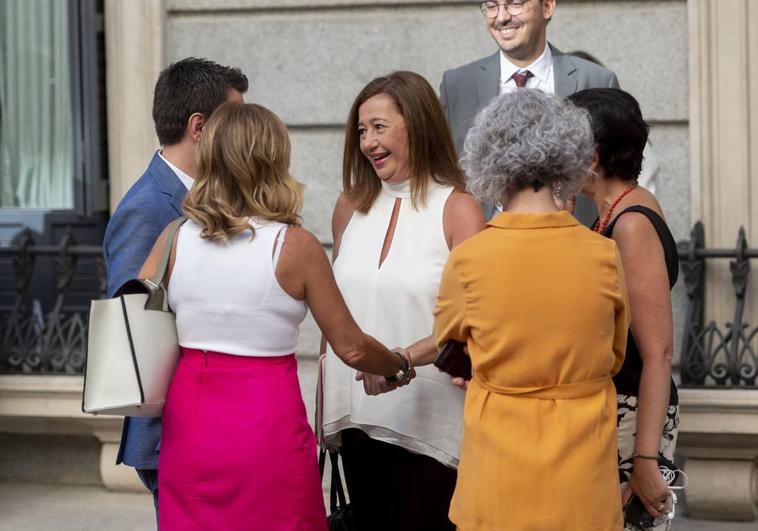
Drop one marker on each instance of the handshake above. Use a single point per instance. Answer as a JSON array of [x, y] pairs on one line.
[[452, 359], [376, 385]]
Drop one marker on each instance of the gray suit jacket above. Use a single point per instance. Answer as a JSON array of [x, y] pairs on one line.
[[467, 89]]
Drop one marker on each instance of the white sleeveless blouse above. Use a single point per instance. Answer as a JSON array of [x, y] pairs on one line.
[[394, 304], [226, 296]]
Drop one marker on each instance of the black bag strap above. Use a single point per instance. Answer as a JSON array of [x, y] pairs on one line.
[[321, 462], [336, 483], [336, 490]]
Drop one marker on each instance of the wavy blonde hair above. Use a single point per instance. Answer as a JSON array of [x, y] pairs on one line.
[[243, 172]]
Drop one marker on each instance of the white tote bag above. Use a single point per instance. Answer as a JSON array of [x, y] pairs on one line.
[[132, 347]]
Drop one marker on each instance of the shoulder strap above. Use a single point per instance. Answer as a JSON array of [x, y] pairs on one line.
[[664, 235], [160, 273], [279, 243]]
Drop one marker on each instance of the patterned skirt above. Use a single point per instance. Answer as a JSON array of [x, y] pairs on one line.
[[626, 429]]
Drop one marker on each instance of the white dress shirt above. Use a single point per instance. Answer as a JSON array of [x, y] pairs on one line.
[[541, 69], [187, 181]]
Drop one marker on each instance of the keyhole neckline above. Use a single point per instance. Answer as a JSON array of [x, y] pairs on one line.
[[400, 190]]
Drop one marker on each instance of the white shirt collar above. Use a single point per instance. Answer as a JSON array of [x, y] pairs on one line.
[[539, 68], [187, 181]]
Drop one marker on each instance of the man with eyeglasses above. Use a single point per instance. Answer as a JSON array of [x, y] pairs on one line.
[[525, 59]]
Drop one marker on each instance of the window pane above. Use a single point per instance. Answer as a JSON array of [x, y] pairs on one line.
[[36, 144]]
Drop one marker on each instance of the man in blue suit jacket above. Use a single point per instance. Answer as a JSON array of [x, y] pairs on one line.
[[186, 94]]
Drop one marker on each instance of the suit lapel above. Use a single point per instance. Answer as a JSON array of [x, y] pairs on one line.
[[168, 182], [488, 80], [564, 73]]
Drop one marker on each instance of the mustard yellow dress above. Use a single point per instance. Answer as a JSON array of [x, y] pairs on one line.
[[541, 302]]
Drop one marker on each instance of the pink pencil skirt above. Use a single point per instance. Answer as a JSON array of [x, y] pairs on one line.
[[237, 452]]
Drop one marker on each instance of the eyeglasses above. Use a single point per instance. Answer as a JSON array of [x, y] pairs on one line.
[[491, 9]]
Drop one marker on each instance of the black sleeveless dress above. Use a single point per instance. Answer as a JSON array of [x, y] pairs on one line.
[[628, 378]]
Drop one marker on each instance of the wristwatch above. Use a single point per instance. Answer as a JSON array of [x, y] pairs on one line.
[[401, 375]]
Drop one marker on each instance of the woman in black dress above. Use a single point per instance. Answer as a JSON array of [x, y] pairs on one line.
[[648, 411]]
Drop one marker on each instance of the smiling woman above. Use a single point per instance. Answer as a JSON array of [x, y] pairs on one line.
[[384, 138], [403, 208], [404, 104]]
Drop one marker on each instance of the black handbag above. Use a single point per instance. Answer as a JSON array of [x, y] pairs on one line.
[[453, 360], [340, 513], [635, 514]]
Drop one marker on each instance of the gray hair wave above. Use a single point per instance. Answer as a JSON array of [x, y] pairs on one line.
[[527, 138]]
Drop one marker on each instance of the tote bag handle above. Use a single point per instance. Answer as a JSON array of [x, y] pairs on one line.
[[156, 299]]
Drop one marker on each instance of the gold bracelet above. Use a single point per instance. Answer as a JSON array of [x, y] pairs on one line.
[[649, 457]]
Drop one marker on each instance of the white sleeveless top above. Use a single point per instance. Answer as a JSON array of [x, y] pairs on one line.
[[226, 296], [394, 304]]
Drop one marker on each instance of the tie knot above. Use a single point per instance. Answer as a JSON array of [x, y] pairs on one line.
[[521, 77]]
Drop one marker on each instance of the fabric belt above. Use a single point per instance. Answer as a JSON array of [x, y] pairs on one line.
[[552, 392]]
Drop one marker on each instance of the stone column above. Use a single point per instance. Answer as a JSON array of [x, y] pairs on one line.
[[724, 135], [135, 51], [719, 431]]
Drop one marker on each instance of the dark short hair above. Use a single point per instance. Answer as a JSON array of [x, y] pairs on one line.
[[619, 129], [431, 152], [191, 86]]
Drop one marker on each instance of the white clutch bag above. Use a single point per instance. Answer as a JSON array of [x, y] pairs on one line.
[[132, 347]]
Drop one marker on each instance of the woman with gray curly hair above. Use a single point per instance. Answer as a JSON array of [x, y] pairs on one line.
[[540, 302]]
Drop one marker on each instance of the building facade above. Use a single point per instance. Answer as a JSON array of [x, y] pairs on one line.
[[692, 64]]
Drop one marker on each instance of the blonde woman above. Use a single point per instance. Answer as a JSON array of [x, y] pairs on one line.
[[237, 451]]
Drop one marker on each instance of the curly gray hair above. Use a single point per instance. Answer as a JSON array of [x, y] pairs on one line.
[[527, 138]]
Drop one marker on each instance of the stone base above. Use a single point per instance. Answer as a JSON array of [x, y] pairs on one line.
[[722, 489], [51, 405], [718, 436], [117, 477]]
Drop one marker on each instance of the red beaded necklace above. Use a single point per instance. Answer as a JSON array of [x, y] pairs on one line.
[[601, 226]]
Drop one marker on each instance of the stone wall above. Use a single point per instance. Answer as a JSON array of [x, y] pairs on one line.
[[307, 60]]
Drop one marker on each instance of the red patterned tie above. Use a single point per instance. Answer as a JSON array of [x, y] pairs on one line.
[[521, 77]]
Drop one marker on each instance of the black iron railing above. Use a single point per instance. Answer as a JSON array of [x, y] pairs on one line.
[[34, 341], [713, 356], [53, 342]]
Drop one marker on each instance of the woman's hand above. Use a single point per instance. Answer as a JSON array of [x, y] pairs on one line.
[[460, 382], [647, 483], [411, 364], [373, 384], [376, 385]]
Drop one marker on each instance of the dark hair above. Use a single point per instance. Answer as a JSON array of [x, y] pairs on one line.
[[431, 152], [191, 86], [619, 129]]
